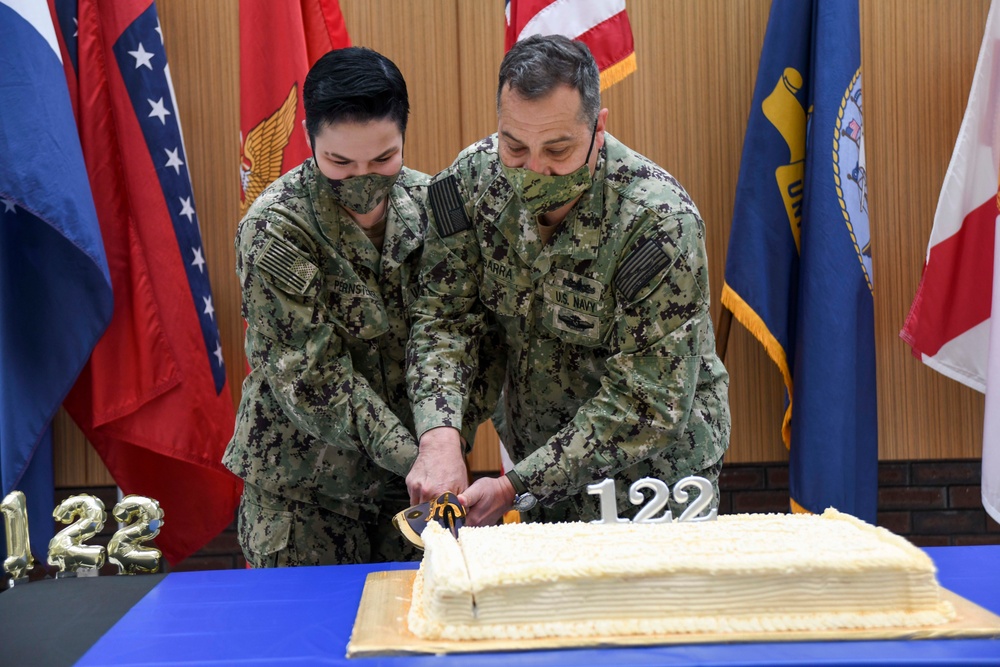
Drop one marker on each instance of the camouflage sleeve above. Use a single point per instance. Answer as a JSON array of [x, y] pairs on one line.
[[484, 394], [665, 393], [443, 350], [303, 357]]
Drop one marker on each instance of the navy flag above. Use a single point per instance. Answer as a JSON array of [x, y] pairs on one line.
[[798, 268]]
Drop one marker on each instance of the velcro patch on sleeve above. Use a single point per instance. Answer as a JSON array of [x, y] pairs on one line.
[[446, 202], [642, 264], [288, 265]]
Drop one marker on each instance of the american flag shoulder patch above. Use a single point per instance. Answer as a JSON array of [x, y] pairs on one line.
[[446, 203], [642, 264], [288, 265]]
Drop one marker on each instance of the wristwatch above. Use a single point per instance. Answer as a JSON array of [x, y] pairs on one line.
[[524, 500]]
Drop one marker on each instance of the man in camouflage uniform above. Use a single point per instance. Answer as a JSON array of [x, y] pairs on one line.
[[592, 259], [327, 258]]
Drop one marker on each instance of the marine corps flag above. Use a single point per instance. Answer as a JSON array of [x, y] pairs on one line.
[[153, 399], [279, 42], [798, 268], [600, 24]]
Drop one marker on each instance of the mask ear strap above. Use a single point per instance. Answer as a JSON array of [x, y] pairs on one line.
[[593, 135]]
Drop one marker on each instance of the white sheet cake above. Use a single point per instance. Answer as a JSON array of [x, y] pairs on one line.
[[741, 573]]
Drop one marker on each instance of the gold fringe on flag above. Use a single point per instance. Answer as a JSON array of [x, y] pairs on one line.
[[746, 316], [796, 508], [618, 71]]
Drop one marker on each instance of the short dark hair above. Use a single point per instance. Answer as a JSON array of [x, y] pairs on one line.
[[355, 85], [535, 66]]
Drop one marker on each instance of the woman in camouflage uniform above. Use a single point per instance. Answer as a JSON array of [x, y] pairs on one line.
[[327, 259]]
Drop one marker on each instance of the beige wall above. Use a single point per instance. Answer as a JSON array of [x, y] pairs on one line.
[[685, 108]]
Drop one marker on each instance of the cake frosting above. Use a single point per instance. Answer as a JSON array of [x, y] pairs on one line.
[[740, 573]]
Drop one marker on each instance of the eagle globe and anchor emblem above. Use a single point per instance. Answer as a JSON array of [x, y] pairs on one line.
[[263, 150], [784, 111]]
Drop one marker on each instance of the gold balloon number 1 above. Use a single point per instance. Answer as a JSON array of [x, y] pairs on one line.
[[142, 517], [15, 521]]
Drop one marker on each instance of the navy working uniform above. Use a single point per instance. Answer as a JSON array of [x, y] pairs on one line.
[[323, 434], [611, 369]]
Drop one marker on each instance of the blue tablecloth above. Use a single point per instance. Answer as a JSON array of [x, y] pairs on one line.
[[304, 617]]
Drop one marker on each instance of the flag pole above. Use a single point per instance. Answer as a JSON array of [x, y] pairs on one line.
[[722, 334]]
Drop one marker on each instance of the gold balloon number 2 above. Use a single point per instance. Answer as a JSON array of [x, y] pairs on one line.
[[85, 515], [143, 519], [67, 550]]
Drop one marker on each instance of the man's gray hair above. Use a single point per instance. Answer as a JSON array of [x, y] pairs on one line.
[[537, 65]]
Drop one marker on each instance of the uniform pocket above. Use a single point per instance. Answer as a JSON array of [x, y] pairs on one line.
[[356, 308], [576, 309], [263, 532], [505, 296]]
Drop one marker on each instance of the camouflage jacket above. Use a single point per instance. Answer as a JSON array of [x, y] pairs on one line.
[[324, 412], [611, 363]]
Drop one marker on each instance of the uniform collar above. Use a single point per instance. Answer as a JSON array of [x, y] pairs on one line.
[[341, 232], [401, 235], [586, 219]]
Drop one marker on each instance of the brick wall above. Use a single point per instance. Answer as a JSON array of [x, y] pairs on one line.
[[931, 503]]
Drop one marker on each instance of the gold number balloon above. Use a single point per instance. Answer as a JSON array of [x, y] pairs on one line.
[[15, 518], [124, 549], [86, 515]]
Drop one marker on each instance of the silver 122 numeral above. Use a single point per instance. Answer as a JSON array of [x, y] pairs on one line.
[[699, 510]]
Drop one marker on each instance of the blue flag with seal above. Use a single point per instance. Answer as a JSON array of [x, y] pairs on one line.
[[55, 290], [798, 266]]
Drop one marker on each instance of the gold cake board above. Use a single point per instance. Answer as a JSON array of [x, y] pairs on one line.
[[380, 628]]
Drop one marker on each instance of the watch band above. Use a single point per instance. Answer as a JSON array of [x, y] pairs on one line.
[[524, 500], [515, 481]]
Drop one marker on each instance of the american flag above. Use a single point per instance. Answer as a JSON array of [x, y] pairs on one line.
[[602, 25]]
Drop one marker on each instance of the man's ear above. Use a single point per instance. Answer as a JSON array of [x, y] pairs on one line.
[[602, 121]]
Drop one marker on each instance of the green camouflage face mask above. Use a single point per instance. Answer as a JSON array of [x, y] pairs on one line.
[[541, 193], [362, 194]]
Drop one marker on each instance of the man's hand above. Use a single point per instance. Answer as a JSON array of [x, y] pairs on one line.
[[439, 467], [488, 499]]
